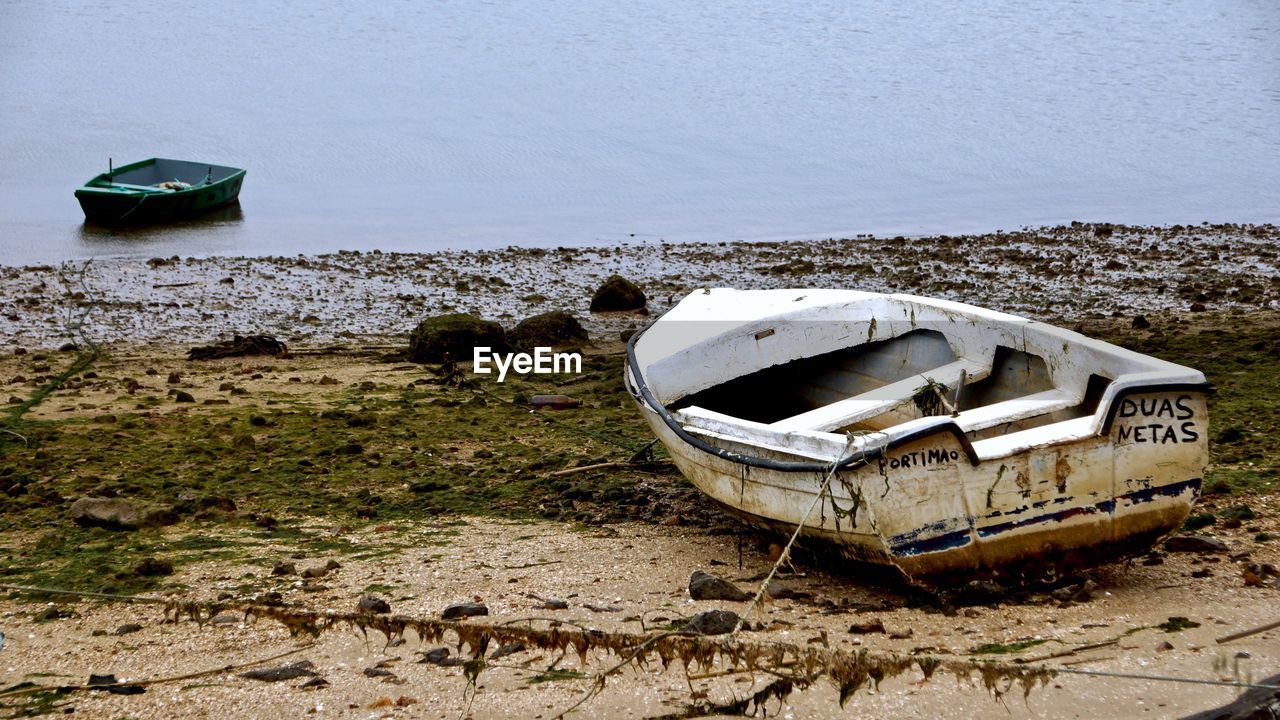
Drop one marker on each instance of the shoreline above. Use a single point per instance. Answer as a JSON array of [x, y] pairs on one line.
[[1054, 274]]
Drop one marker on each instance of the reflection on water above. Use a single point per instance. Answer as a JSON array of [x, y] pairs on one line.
[[460, 124], [139, 239]]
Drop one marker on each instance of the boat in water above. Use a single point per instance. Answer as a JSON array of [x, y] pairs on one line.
[[948, 441], [158, 190]]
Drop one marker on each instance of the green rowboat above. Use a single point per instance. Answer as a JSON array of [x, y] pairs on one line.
[[157, 190]]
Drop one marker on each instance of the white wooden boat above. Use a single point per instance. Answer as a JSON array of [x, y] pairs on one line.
[[969, 443]]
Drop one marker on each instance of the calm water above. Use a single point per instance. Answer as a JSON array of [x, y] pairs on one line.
[[426, 125]]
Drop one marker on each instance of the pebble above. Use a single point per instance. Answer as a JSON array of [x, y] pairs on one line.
[[711, 622], [464, 610], [705, 586], [1195, 543]]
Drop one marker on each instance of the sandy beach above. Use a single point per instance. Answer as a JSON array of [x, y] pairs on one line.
[[257, 469]]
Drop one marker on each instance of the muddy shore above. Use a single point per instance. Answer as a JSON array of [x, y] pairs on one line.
[[1067, 273], [426, 494]]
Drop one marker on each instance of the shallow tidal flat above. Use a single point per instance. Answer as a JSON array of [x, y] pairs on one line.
[[1064, 274], [425, 494]]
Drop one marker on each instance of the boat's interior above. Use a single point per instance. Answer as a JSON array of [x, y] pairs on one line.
[[163, 174], [878, 385]]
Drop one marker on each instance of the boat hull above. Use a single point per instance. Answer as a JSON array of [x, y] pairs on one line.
[[928, 509], [105, 202]]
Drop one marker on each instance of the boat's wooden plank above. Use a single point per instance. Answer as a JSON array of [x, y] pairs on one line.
[[1017, 409], [817, 445], [1059, 432], [869, 404]]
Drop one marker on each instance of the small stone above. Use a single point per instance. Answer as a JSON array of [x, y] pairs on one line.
[[711, 622], [554, 604], [378, 672], [1195, 543], [507, 649], [153, 567], [112, 513], [175, 378], [1140, 322], [440, 656], [373, 604], [314, 683], [225, 619], [1164, 646], [284, 568], [128, 628], [866, 628], [109, 683], [464, 610], [779, 591], [183, 396], [705, 586]]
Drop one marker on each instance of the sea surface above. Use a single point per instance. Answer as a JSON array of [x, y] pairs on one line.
[[469, 124]]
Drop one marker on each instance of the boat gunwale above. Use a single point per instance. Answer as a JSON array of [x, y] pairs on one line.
[[89, 188]]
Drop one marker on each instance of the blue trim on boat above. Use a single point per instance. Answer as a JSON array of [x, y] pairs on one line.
[[911, 543]]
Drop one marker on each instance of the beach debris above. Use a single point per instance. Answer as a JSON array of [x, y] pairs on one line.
[[875, 625], [711, 622], [453, 337], [1177, 623], [705, 586], [373, 604], [555, 329], [550, 603], [109, 683], [52, 612], [301, 668], [315, 572], [1075, 593], [554, 402], [464, 610], [618, 294], [1195, 543], [240, 346]]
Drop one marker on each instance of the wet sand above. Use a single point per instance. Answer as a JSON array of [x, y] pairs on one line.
[[642, 570]]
